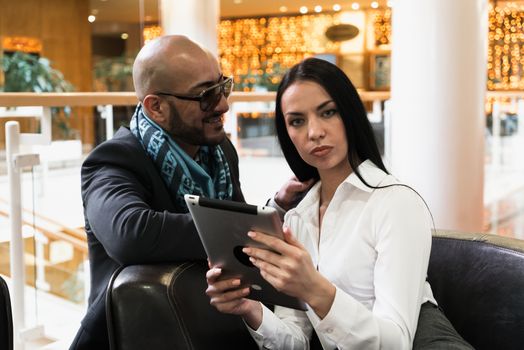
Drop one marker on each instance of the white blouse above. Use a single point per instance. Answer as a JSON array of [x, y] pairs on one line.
[[374, 246]]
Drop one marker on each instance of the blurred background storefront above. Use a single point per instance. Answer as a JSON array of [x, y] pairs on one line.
[[92, 43]]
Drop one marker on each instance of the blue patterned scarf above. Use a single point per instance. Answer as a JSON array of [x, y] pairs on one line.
[[208, 177]]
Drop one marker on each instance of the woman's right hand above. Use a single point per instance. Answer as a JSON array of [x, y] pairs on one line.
[[227, 296]]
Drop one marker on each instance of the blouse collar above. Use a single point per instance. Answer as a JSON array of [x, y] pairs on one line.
[[373, 175]]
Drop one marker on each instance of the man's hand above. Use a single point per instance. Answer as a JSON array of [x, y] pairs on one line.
[[287, 195]]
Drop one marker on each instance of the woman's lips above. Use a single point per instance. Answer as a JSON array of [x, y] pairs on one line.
[[321, 151]]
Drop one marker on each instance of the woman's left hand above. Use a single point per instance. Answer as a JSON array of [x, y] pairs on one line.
[[289, 268]]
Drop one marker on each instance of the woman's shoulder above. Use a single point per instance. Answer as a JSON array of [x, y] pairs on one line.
[[401, 204], [397, 193]]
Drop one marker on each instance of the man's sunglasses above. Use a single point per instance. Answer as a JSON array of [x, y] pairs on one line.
[[209, 98]]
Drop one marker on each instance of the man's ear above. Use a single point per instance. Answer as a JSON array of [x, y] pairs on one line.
[[155, 109]]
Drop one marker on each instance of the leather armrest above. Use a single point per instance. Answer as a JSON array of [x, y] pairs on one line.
[[165, 307]]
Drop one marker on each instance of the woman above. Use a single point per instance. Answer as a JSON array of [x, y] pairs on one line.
[[356, 248]]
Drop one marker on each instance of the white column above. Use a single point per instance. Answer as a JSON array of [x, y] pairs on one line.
[[197, 19], [12, 137], [231, 125], [438, 88], [386, 158], [520, 117], [106, 112], [496, 147]]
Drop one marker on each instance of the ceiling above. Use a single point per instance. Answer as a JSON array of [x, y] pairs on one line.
[[128, 11]]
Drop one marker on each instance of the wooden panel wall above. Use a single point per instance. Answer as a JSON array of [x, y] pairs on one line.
[[65, 33]]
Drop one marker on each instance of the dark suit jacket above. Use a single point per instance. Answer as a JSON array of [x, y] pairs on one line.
[[130, 219]]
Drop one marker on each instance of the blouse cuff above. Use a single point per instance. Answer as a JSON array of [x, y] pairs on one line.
[[266, 330], [346, 316]]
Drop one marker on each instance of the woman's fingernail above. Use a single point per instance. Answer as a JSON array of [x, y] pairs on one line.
[[251, 234], [253, 260], [236, 282], [246, 250]]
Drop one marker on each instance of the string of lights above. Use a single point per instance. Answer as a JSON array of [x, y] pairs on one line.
[[254, 48], [382, 27], [506, 48], [151, 32]]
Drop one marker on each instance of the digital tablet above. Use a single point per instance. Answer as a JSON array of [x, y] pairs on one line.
[[222, 226]]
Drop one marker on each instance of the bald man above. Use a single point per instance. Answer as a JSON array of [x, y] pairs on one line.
[[134, 184]]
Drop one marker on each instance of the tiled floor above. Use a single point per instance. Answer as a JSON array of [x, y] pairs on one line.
[[505, 216], [504, 188]]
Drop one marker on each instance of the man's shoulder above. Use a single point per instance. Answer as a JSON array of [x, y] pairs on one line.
[[122, 150], [122, 142], [122, 138]]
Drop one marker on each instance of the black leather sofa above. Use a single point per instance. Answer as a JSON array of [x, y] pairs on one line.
[[6, 317], [478, 280]]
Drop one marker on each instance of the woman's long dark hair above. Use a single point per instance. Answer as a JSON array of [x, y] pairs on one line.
[[360, 139]]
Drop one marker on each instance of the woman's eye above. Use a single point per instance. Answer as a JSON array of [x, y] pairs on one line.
[[329, 113], [296, 122]]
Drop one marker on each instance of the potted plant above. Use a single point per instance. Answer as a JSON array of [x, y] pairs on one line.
[[25, 72], [114, 74]]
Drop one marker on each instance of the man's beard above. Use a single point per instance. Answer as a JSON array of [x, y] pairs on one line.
[[187, 133]]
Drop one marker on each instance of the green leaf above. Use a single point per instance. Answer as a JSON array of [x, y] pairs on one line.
[[44, 61], [27, 73]]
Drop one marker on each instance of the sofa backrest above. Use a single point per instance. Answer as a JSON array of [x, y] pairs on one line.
[[478, 280]]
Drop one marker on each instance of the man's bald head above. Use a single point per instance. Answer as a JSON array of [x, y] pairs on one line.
[[164, 62]]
